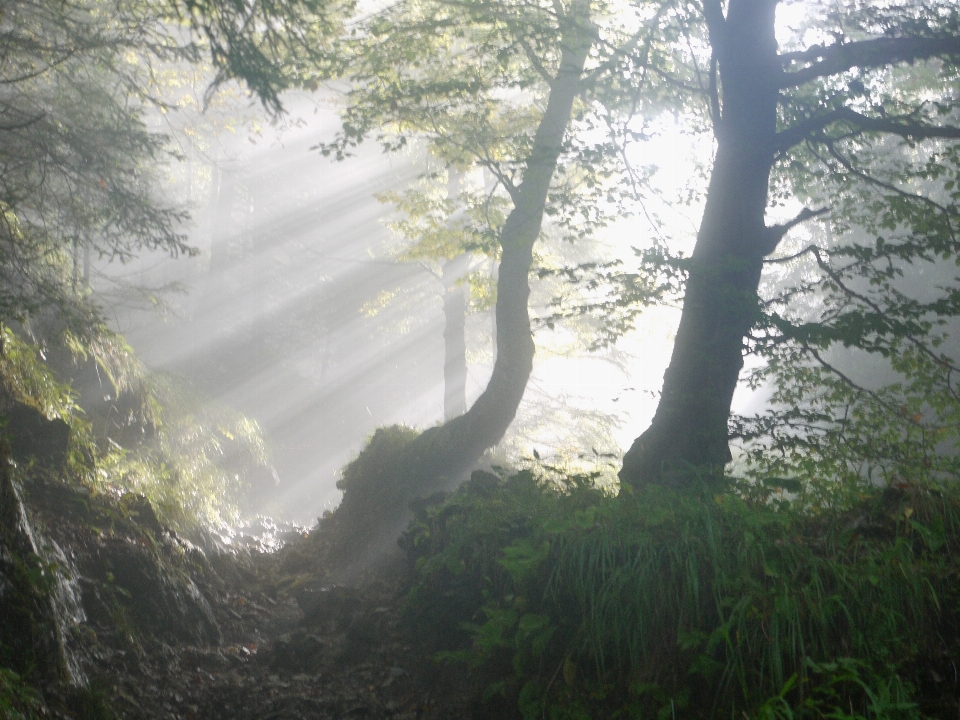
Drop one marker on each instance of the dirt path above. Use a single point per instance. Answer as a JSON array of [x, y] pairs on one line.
[[165, 630], [275, 664]]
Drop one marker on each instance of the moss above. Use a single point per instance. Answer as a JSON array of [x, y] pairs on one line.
[[371, 479]]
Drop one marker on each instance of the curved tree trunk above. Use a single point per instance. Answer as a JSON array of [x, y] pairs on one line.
[[688, 438], [447, 451], [369, 520], [454, 338]]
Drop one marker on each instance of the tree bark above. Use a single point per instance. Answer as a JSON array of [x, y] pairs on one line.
[[454, 338], [688, 438]]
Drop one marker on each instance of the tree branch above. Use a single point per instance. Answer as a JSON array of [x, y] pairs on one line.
[[774, 234], [940, 360], [848, 166], [716, 23], [895, 126], [535, 61], [714, 93], [805, 129], [839, 57]]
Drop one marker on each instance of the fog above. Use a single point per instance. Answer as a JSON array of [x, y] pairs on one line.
[[296, 313]]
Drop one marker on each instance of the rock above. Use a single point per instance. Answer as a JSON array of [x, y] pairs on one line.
[[138, 507], [32, 626], [326, 604], [33, 437], [298, 652], [162, 598]]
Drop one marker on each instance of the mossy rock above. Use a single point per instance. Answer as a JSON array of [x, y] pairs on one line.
[[33, 437]]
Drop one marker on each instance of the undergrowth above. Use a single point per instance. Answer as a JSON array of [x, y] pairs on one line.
[[18, 700], [133, 431], [659, 605]]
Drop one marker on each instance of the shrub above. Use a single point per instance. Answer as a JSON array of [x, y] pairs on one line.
[[659, 604]]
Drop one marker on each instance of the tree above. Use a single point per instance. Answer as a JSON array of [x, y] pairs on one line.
[[75, 150], [443, 247], [77, 84], [496, 86], [778, 118], [451, 61]]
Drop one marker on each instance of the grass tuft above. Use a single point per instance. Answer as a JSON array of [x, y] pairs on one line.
[[663, 604]]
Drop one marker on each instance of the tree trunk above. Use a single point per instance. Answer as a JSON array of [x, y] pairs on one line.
[[688, 438], [454, 338], [447, 451], [374, 512]]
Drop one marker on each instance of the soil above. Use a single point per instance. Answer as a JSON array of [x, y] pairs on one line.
[[354, 658], [173, 629]]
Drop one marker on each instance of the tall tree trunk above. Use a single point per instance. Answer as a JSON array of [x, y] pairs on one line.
[[454, 320], [221, 232], [454, 338], [688, 437], [372, 514], [448, 450]]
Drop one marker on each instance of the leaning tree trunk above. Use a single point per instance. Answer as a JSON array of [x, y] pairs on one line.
[[374, 511], [446, 451], [688, 438], [454, 338]]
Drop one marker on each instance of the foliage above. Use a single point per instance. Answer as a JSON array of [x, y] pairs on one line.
[[78, 158], [28, 379], [663, 604], [269, 46], [192, 468], [470, 82], [859, 322], [185, 454], [18, 700]]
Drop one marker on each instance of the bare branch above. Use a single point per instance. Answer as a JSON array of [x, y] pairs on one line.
[[897, 126], [774, 234], [777, 261], [805, 129]]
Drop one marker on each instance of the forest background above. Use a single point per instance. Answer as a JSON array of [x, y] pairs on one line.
[[821, 152]]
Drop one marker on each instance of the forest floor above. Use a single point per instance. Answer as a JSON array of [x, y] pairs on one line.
[[271, 664], [354, 658], [169, 631]]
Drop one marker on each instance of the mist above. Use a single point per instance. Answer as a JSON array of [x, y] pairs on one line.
[[297, 313]]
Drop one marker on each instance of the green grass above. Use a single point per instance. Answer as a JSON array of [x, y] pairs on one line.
[[578, 604]]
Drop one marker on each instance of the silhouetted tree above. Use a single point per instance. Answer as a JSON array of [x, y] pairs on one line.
[[786, 118]]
